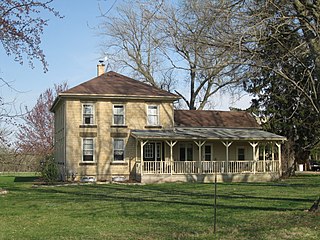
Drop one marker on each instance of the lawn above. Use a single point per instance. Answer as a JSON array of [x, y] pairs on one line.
[[159, 211]]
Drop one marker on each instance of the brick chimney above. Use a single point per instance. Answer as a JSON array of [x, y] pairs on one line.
[[100, 68]]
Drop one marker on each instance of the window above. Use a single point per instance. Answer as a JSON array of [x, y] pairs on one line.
[[241, 154], [148, 150], [87, 112], [153, 115], [118, 114], [207, 153], [118, 149], [152, 151], [186, 152], [87, 150]]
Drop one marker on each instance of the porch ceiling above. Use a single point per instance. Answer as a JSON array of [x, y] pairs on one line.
[[207, 134]]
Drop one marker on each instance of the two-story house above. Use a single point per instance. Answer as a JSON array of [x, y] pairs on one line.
[[113, 126]]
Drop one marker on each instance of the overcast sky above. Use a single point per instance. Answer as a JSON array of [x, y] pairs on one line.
[[72, 50]]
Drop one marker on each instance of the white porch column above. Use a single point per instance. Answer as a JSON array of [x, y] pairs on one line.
[[136, 158], [279, 156], [171, 145], [142, 143], [254, 153], [200, 144], [264, 157], [227, 144]]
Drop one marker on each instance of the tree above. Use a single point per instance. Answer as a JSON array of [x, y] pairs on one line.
[[160, 41], [21, 27], [36, 134], [284, 70]]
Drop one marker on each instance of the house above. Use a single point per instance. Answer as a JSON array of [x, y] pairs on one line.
[[115, 127]]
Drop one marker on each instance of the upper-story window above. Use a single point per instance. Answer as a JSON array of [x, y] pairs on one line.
[[87, 113], [118, 114], [153, 115]]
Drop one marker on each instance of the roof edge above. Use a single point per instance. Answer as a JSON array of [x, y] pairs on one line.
[[117, 96]]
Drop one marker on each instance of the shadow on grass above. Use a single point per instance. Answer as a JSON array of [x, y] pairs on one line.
[[23, 179], [112, 194]]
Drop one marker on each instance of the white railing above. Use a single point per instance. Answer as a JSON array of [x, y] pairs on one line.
[[207, 167]]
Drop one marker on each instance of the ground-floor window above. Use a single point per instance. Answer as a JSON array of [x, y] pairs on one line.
[[241, 153], [186, 152], [207, 152], [87, 149], [118, 149]]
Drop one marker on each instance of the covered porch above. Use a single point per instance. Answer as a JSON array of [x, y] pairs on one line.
[[197, 154]]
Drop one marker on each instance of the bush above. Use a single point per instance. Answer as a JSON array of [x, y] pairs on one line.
[[49, 170]]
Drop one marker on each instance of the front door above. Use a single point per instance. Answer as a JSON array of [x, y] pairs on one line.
[[152, 151]]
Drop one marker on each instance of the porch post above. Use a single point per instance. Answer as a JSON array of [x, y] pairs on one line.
[[171, 144], [227, 144], [200, 144], [254, 145], [264, 157], [279, 156], [136, 158], [142, 143]]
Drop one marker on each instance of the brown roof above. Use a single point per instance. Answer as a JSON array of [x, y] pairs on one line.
[[115, 84], [205, 118]]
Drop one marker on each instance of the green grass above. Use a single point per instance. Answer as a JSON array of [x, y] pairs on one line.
[[161, 211]]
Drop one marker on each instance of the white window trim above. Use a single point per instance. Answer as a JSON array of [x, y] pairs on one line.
[[158, 115], [204, 152], [124, 155], [152, 150], [82, 149], [124, 115], [93, 113]]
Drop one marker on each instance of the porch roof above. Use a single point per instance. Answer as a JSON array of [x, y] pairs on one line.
[[207, 134]]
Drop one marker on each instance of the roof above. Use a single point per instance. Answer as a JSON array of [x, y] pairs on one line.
[[207, 134], [112, 83], [207, 118]]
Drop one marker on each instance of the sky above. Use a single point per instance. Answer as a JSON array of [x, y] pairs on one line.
[[72, 50]]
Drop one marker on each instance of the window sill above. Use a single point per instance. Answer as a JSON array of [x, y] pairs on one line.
[[119, 126], [88, 126], [119, 163], [87, 163], [153, 126]]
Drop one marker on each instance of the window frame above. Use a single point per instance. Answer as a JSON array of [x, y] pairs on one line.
[[113, 150], [83, 149], [114, 114], [244, 153], [148, 151], [157, 115], [186, 148], [205, 154], [83, 113]]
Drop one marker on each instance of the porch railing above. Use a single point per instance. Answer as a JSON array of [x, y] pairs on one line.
[[207, 167]]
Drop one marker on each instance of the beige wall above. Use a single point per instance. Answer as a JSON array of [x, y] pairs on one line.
[[102, 131], [69, 132], [59, 137], [218, 150]]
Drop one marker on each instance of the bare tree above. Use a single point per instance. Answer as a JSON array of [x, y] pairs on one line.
[[35, 135], [157, 38]]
